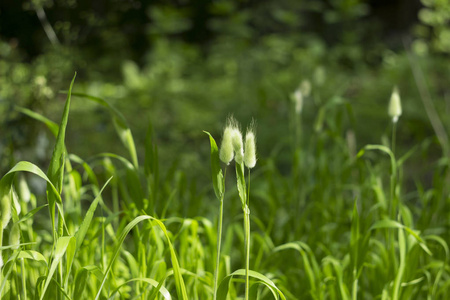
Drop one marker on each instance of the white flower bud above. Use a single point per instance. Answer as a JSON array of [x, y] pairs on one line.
[[395, 106]]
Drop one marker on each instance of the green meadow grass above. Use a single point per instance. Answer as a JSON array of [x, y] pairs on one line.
[[341, 223]]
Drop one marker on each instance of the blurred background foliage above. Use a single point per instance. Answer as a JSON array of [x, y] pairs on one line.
[[183, 66]]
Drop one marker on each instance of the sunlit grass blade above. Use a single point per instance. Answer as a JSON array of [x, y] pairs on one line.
[[224, 286], [161, 289], [52, 126], [181, 289], [31, 213], [60, 249]]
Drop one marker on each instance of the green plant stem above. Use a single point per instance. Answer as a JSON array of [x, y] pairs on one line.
[[247, 238], [355, 290], [394, 133], [219, 240], [24, 274]]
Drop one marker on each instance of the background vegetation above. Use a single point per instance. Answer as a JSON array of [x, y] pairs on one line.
[[176, 68]]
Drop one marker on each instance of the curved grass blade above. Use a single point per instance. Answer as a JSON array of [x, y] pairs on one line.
[[396, 225], [181, 288], [52, 126], [164, 292], [216, 171], [224, 286], [31, 213], [308, 269], [120, 124], [61, 247], [56, 169]]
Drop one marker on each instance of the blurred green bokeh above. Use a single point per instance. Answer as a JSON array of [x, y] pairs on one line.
[[183, 66]]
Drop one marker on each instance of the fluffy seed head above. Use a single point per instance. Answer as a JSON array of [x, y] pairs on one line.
[[5, 203], [395, 105], [238, 145], [14, 236], [226, 148], [250, 149]]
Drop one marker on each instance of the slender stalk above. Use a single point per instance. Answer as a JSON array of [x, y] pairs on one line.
[[394, 132], [247, 238], [24, 274], [219, 242], [219, 238], [355, 290]]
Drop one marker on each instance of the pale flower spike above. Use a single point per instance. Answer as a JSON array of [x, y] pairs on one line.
[[238, 145], [250, 147], [297, 98], [395, 106], [226, 153]]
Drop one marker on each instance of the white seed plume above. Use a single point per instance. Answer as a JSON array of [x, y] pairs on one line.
[[395, 105], [226, 153], [238, 145], [250, 149]]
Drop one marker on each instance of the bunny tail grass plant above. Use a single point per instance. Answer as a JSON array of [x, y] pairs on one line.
[[233, 147], [250, 162], [226, 156]]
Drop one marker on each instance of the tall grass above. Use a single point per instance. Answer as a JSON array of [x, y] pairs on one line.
[[336, 224]]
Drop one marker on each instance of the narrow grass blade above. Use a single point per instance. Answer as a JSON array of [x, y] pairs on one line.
[[393, 224], [81, 233], [60, 249], [52, 126], [164, 292], [224, 286], [56, 169], [33, 255], [31, 213], [307, 265], [120, 124], [181, 288]]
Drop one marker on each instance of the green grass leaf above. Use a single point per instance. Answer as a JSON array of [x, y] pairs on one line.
[[224, 286], [180, 286], [216, 170], [162, 290], [60, 249], [120, 124]]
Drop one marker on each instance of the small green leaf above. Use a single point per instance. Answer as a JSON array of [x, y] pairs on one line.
[[216, 170]]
